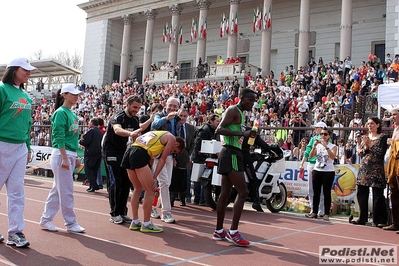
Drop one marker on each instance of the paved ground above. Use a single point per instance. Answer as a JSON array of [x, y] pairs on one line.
[[277, 239]]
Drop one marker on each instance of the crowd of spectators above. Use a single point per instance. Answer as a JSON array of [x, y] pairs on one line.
[[297, 98]]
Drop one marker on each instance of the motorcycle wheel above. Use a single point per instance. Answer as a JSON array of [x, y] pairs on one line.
[[277, 202], [212, 193]]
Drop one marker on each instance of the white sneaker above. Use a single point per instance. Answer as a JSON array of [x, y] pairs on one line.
[[154, 213], [75, 228], [116, 219], [167, 218], [49, 226]]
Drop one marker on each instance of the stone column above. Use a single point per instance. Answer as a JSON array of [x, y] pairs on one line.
[[304, 31], [201, 43], [125, 53], [232, 37], [391, 38], [345, 48], [150, 15], [175, 10], [266, 46]]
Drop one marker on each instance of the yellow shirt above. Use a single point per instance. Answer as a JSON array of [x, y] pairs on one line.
[[393, 164], [220, 62], [151, 142]]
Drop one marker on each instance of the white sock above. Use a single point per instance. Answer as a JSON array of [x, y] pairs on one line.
[[136, 221], [232, 232], [219, 231], [147, 223]]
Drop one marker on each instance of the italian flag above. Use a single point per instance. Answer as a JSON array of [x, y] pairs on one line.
[[226, 26], [192, 30], [269, 18], [254, 22], [167, 38], [181, 34], [235, 25], [221, 30], [204, 30], [164, 34]]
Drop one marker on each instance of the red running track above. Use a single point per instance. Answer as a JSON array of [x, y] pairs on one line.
[[276, 239]]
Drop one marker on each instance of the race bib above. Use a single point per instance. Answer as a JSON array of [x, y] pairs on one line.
[[146, 138]]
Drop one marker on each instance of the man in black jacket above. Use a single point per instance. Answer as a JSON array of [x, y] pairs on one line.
[[92, 155]]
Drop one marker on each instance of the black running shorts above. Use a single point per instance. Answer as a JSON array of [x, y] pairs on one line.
[[230, 158], [135, 157]]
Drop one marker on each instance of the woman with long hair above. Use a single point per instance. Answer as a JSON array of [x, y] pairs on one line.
[[65, 136], [371, 174], [15, 151]]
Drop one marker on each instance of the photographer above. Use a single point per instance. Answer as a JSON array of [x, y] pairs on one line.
[[387, 119], [323, 172]]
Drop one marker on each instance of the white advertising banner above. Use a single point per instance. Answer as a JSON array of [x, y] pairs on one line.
[[39, 155], [344, 182]]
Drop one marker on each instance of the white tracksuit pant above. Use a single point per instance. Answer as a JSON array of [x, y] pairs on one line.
[[61, 194], [311, 192], [164, 179], [12, 173]]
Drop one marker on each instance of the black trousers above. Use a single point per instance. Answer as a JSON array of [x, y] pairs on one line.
[[322, 180], [178, 184], [119, 193], [380, 213], [92, 164], [254, 182], [393, 185]]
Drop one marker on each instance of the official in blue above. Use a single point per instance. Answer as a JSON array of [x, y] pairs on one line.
[[180, 172], [92, 155], [165, 120]]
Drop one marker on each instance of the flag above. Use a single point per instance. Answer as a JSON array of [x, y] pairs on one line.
[[258, 18], [269, 18], [192, 30], [221, 31], [201, 31], [232, 25], [226, 25], [164, 34], [254, 22], [170, 32], [174, 34], [235, 25], [195, 29], [204, 31], [167, 32], [264, 18], [181, 34]]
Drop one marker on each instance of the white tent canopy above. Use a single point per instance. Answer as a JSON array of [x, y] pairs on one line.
[[388, 96]]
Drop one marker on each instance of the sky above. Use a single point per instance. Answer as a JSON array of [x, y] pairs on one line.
[[52, 26]]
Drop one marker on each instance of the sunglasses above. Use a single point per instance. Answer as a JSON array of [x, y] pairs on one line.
[[324, 134]]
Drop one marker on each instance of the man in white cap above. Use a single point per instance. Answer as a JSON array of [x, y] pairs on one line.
[[15, 150], [311, 162]]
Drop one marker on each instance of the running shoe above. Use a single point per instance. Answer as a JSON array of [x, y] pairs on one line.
[[116, 219], [133, 226], [151, 228], [219, 236], [49, 226], [237, 239], [75, 228], [167, 218], [1, 238], [154, 213], [126, 219], [18, 240]]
